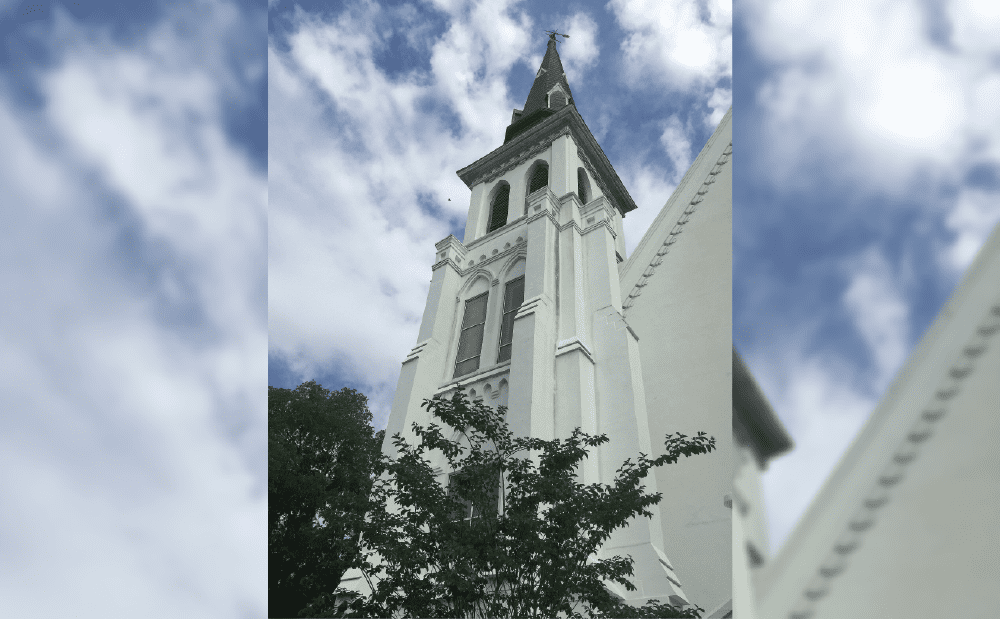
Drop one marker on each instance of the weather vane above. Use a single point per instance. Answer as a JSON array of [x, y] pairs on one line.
[[552, 34]]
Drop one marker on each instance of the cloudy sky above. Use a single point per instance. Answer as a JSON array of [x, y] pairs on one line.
[[133, 196], [374, 107], [869, 180], [867, 175], [134, 188]]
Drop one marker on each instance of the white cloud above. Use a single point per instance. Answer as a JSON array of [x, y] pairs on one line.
[[650, 186], [720, 102], [678, 146], [650, 189], [884, 103], [681, 44], [362, 163], [868, 107], [822, 412], [581, 50], [976, 214], [875, 300], [357, 202], [134, 354]]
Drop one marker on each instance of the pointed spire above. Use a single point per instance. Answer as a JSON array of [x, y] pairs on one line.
[[550, 76], [548, 93]]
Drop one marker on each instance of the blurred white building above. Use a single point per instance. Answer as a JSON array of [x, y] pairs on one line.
[[759, 437], [906, 525], [537, 309]]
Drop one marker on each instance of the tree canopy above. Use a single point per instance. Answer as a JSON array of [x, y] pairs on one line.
[[321, 454], [510, 535]]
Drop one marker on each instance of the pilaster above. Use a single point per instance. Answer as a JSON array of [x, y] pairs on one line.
[[421, 369], [602, 266], [562, 179], [474, 226], [532, 385]]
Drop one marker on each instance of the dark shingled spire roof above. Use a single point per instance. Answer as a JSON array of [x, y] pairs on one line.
[[536, 107], [548, 76]]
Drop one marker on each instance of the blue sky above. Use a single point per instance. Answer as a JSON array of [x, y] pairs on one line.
[[133, 197], [374, 107], [154, 168], [869, 179], [866, 175]]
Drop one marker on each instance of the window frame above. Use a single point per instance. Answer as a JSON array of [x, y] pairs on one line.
[[512, 312], [583, 190], [466, 328], [492, 222], [534, 171], [470, 511]]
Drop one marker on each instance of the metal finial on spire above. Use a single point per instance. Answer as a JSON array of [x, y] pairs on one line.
[[552, 34]]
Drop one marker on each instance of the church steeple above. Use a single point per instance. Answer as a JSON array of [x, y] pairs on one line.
[[549, 92], [549, 78]]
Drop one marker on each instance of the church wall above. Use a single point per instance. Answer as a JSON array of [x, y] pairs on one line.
[[905, 524], [748, 505], [744, 598], [478, 218], [683, 320], [575, 361], [563, 160], [430, 366], [934, 548], [750, 545]]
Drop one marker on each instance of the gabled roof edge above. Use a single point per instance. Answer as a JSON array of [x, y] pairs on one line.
[[636, 263], [783, 580], [753, 417]]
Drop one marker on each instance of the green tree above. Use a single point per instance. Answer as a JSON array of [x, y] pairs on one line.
[[321, 453], [535, 556]]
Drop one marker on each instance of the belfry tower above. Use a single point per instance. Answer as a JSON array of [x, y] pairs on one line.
[[526, 311]]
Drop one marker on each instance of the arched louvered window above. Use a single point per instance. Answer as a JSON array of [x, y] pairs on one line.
[[539, 179], [583, 185], [556, 99], [498, 208]]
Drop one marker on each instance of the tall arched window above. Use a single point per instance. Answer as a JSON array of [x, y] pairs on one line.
[[513, 296], [498, 208], [470, 341], [539, 178], [583, 185]]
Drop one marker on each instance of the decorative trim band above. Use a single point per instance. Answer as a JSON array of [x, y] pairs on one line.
[[572, 344], [678, 228], [485, 260], [530, 306], [835, 562], [415, 352], [537, 149]]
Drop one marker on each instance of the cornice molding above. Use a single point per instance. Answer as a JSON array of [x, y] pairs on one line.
[[755, 423], [538, 148], [415, 353], [519, 245], [891, 475], [574, 344], [566, 121], [664, 249], [530, 306], [479, 375]]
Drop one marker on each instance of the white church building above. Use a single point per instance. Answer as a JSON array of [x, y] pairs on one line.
[[538, 309], [906, 524]]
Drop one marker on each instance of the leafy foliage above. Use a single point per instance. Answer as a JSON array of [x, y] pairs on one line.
[[534, 555], [321, 452]]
